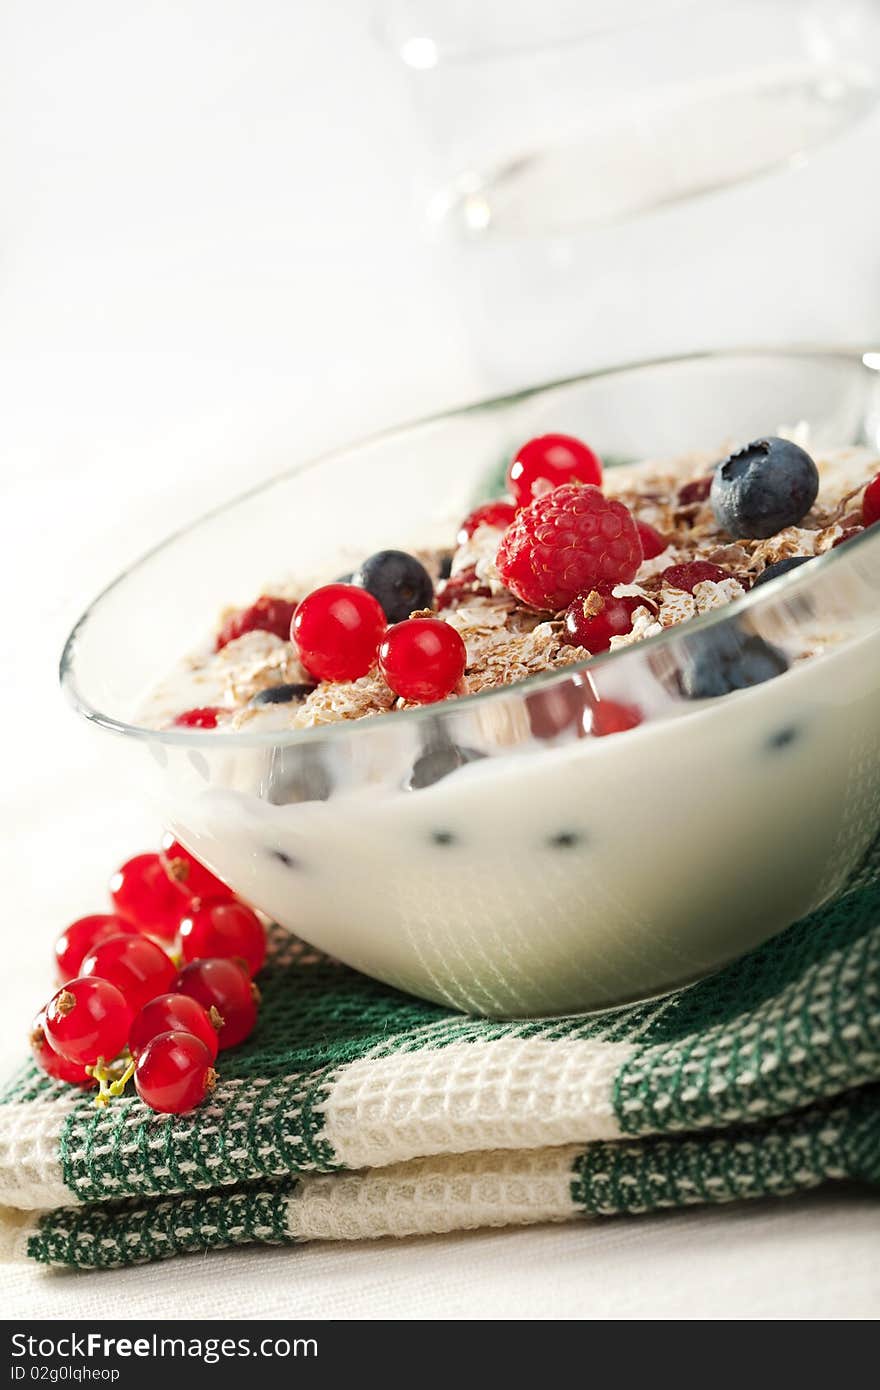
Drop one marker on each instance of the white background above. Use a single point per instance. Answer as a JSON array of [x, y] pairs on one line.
[[211, 263]]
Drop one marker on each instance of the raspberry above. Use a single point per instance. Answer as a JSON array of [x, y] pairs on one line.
[[566, 543], [592, 621], [268, 614], [689, 575], [871, 502], [653, 544]]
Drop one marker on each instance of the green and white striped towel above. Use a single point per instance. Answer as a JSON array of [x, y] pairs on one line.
[[355, 1111]]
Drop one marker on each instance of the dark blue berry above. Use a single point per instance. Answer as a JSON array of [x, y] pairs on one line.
[[781, 738], [282, 694], [781, 567], [768, 485], [399, 581], [438, 762], [283, 858], [445, 564], [724, 659]]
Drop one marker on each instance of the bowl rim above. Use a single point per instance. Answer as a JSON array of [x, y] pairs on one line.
[[802, 576]]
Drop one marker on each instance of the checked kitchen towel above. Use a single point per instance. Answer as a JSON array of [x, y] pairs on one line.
[[354, 1111]]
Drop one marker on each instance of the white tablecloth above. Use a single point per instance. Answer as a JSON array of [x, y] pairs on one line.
[[211, 265]]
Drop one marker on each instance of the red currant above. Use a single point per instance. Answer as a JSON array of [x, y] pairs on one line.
[[592, 621], [871, 502], [422, 659], [50, 1061], [223, 928], [696, 491], [225, 985], [174, 1073], [549, 461], [337, 629], [188, 874], [137, 966], [610, 717], [688, 575], [653, 544], [177, 1013], [204, 717], [268, 614], [499, 514], [75, 942], [143, 894], [87, 1019]]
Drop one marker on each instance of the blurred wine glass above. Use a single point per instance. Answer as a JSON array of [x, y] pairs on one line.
[[545, 116]]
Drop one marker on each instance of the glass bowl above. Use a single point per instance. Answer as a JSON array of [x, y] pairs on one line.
[[509, 853]]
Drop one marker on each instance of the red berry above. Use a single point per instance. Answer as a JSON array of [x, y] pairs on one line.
[[174, 1073], [570, 541], [459, 588], [549, 461], [337, 629], [653, 544], [225, 985], [205, 717], [223, 928], [847, 535], [422, 659], [188, 874], [176, 1013], [697, 491], [692, 573], [610, 717], [871, 502], [51, 1062], [87, 1019], [592, 621], [266, 615], [556, 709], [137, 966], [75, 942], [498, 513], [143, 894]]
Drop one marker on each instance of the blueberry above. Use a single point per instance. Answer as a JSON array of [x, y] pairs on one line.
[[400, 583], [768, 485], [781, 567], [446, 564], [437, 762], [725, 659], [282, 694], [781, 738]]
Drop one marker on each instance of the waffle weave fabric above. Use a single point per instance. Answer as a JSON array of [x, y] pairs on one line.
[[355, 1111]]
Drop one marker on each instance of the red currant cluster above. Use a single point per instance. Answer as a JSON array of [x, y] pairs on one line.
[[156, 988]]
